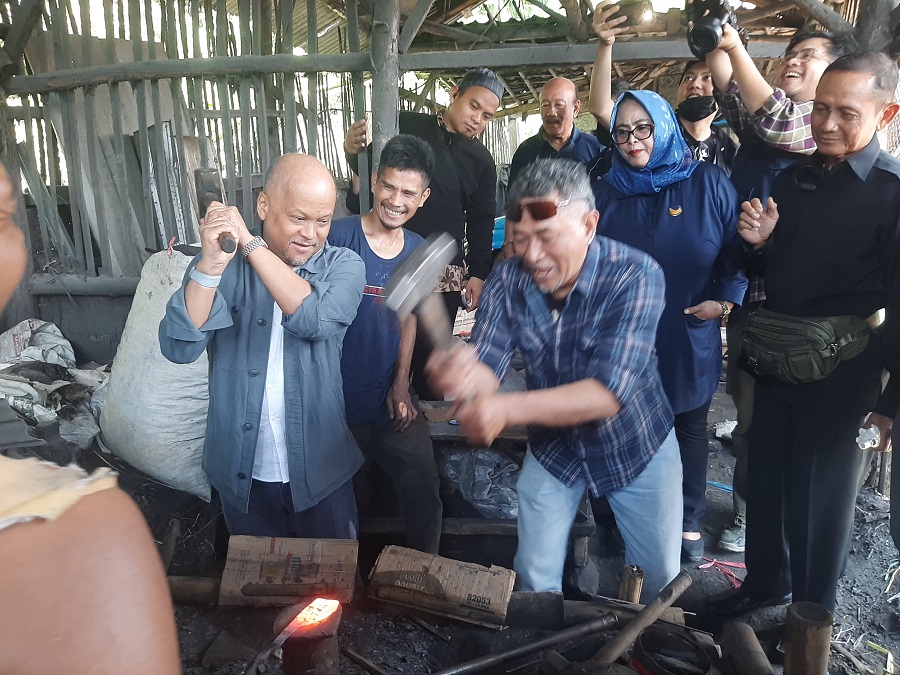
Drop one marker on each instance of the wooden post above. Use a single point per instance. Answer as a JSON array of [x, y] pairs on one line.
[[826, 16], [807, 638], [385, 56], [312, 82], [632, 583], [359, 103]]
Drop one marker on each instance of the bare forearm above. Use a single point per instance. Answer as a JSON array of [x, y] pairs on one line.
[[198, 301], [405, 349], [600, 101], [753, 86], [288, 288], [720, 69], [564, 406]]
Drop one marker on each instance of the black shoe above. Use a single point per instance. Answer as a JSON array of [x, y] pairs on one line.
[[691, 549], [733, 602]]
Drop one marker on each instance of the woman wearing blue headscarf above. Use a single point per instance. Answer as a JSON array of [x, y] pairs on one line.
[[657, 198]]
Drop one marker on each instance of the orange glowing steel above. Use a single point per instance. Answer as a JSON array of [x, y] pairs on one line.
[[316, 612]]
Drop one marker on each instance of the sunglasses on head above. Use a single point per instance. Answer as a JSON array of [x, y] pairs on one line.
[[541, 209]]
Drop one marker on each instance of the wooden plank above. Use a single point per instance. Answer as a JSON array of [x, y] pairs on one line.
[[558, 54], [246, 121], [197, 86], [117, 166], [212, 67], [134, 21], [359, 102], [288, 93], [182, 194], [312, 81], [413, 23], [25, 17]]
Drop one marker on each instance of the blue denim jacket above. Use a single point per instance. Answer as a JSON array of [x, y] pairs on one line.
[[322, 454]]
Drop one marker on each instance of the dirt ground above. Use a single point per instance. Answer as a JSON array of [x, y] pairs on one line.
[[223, 641]]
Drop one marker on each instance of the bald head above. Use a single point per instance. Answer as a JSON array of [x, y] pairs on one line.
[[294, 167], [296, 205], [559, 108]]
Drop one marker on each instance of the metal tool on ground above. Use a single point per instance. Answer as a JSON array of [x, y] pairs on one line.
[[625, 638], [308, 641], [412, 285], [209, 189], [484, 663]]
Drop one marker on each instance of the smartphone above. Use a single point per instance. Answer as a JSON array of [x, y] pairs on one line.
[[637, 12]]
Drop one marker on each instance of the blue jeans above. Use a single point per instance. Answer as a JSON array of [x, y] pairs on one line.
[[648, 512], [271, 514]]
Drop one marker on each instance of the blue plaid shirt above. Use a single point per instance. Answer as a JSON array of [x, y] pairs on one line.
[[606, 330]]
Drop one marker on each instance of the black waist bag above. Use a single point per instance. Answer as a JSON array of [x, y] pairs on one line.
[[800, 350]]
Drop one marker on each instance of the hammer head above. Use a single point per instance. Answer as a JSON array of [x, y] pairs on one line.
[[416, 277]]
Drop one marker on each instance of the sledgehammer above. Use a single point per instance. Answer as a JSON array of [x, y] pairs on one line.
[[410, 289]]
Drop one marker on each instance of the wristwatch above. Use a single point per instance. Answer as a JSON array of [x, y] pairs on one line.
[[726, 310], [252, 245]]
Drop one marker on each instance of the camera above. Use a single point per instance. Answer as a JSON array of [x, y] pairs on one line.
[[709, 17]]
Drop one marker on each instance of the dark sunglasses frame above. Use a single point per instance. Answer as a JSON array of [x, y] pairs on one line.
[[540, 209], [632, 132]]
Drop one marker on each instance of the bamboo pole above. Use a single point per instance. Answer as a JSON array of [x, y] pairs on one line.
[[807, 638], [312, 82], [385, 55]]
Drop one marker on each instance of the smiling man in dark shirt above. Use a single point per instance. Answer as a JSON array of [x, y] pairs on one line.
[[833, 253]]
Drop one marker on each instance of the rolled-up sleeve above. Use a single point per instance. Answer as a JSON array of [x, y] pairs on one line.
[[335, 297], [785, 124], [180, 341]]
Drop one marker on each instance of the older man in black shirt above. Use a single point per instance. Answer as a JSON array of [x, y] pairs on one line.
[[833, 253], [463, 189]]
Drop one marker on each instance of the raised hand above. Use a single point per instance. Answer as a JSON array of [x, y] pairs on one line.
[[757, 223], [357, 136], [605, 25]]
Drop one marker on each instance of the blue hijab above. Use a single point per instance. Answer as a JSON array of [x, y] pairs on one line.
[[670, 162]]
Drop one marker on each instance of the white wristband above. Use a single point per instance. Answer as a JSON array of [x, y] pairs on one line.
[[205, 280]]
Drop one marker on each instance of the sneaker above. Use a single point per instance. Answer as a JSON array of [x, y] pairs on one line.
[[734, 538]]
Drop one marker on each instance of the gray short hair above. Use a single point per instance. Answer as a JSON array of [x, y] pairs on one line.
[[543, 177]]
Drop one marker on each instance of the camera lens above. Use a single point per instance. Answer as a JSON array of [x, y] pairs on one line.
[[705, 36]]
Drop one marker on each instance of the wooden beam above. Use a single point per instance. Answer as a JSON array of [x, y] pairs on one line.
[[528, 84], [569, 54], [765, 12], [385, 96], [413, 23], [161, 69], [24, 18], [420, 99], [826, 16], [451, 33]]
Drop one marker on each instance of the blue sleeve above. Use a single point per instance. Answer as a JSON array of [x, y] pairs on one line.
[[625, 339], [492, 336], [179, 340], [335, 298], [729, 279]]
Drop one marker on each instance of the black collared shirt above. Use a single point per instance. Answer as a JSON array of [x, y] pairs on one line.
[[580, 147], [835, 247]]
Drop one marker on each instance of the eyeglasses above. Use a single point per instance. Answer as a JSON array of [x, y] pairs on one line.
[[541, 209], [804, 55], [641, 133]]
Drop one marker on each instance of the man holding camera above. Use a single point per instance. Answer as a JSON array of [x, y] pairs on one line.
[[773, 124]]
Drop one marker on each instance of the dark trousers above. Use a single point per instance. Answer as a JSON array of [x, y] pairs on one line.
[[408, 459], [693, 442], [740, 385], [422, 350], [271, 514], [804, 470]]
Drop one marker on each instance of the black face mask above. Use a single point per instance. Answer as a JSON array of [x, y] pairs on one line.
[[697, 108]]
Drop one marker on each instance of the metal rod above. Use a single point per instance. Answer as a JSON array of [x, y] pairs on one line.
[[312, 82], [290, 102], [483, 663]]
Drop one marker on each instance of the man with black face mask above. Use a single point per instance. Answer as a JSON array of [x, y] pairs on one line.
[[696, 111]]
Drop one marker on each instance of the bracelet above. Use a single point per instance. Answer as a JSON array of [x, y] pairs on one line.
[[252, 245], [726, 310], [205, 280]]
